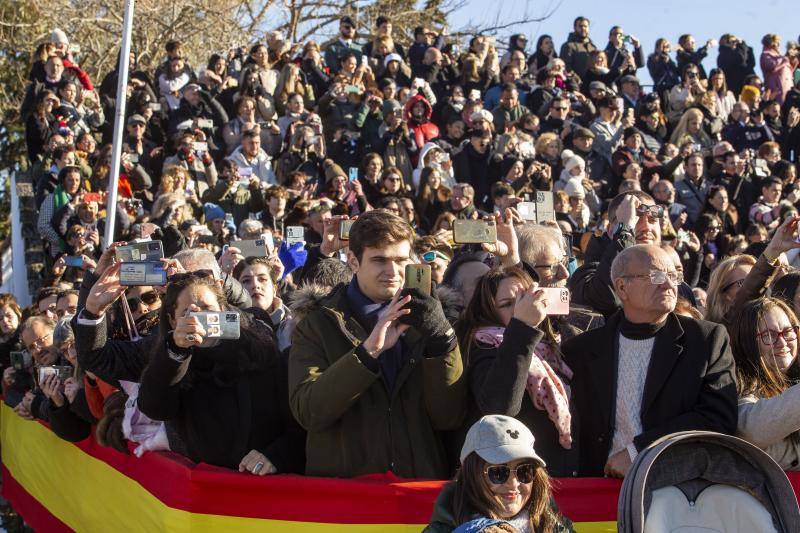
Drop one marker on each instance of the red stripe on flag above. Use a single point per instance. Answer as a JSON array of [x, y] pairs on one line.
[[35, 514]]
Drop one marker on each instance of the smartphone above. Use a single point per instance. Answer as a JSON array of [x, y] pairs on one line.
[[557, 300], [228, 218], [74, 48], [245, 172], [200, 147], [294, 234], [351, 89], [92, 197], [189, 186], [21, 360], [620, 104], [364, 60], [527, 211], [219, 324], [142, 273], [205, 123], [132, 157], [61, 372], [155, 106], [344, 229], [545, 210], [352, 174], [418, 277], [251, 248], [74, 261], [140, 251], [474, 231]]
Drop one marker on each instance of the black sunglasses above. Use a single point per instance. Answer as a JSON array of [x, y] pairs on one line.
[[499, 474], [148, 299]]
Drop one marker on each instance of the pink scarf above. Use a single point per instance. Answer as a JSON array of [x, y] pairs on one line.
[[545, 388]]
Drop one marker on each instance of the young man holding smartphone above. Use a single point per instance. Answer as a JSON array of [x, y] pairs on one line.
[[375, 372]]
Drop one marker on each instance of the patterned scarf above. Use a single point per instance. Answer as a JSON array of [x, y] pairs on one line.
[[545, 388]]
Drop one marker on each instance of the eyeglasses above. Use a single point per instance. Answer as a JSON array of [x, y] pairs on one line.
[[38, 343], [738, 283], [499, 474], [659, 277], [148, 298], [653, 211], [770, 336], [553, 269], [431, 256]]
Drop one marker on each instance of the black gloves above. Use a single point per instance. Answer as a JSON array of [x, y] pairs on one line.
[[427, 316]]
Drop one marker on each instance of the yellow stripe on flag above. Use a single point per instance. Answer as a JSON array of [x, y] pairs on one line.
[[89, 495]]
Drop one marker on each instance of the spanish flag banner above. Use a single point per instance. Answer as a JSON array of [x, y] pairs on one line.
[[60, 486]]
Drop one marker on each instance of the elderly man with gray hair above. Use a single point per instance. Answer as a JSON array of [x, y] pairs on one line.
[[648, 372]]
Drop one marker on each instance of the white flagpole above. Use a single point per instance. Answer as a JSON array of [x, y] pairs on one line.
[[119, 121]]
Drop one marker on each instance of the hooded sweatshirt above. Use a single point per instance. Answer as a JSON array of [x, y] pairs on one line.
[[422, 130]]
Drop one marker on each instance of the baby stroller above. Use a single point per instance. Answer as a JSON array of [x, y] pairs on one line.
[[700, 481]]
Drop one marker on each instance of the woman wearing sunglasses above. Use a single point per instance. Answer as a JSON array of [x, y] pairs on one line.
[[764, 344], [502, 484]]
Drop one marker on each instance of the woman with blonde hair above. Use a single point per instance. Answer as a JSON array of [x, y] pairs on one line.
[[291, 80], [690, 129], [173, 179], [724, 284]]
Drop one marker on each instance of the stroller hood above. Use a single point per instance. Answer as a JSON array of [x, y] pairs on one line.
[[694, 460]]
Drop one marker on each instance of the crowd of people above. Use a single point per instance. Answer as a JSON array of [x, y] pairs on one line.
[[675, 231]]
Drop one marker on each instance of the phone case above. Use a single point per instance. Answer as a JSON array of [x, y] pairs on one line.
[[140, 251], [295, 234], [418, 277], [344, 229], [252, 248], [545, 210], [74, 261], [21, 360], [557, 300], [474, 231], [134, 274], [219, 324]]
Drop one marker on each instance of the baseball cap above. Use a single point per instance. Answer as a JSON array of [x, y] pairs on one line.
[[500, 439], [136, 119]]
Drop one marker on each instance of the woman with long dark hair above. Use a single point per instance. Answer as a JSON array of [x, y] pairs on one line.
[[512, 359], [764, 345], [502, 482]]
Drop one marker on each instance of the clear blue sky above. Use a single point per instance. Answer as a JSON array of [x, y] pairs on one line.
[[648, 20]]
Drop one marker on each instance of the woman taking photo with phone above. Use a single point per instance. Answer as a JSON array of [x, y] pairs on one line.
[[764, 345], [220, 385], [502, 484], [513, 362]]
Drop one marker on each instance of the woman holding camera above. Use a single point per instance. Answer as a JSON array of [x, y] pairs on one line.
[[513, 361], [502, 484], [225, 400]]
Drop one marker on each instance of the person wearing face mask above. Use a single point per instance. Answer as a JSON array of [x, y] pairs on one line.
[[502, 484], [764, 345]]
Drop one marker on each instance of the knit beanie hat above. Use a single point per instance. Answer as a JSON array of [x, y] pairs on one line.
[[749, 95], [332, 170], [390, 106], [58, 37], [574, 188], [628, 132], [574, 161], [213, 211]]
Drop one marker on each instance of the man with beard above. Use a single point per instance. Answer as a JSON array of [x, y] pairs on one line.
[[575, 52]]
